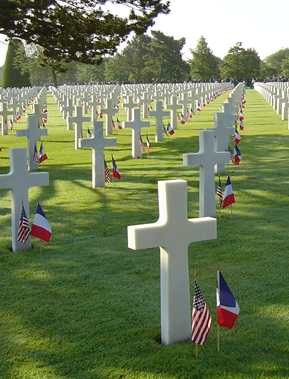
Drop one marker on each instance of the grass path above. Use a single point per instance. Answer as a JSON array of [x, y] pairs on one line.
[[88, 307]]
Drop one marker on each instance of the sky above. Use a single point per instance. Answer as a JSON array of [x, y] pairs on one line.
[[262, 25]]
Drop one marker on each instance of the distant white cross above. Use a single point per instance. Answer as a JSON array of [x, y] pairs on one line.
[[109, 111], [78, 119], [206, 158], [159, 114], [174, 109], [173, 233], [97, 143], [19, 181], [4, 112], [136, 124], [32, 133]]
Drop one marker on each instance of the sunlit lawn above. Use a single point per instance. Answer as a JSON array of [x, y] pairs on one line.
[[88, 307]]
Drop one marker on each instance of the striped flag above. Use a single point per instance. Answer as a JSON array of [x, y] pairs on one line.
[[40, 226], [118, 124], [236, 136], [115, 171], [165, 130], [201, 318], [227, 307], [229, 197], [88, 134], [220, 193], [231, 154], [35, 154], [148, 144], [106, 171], [23, 227], [141, 144], [237, 154]]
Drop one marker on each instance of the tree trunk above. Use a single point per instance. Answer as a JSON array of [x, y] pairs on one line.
[[161, 69], [54, 77]]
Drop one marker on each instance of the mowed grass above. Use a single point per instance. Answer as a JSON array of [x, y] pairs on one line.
[[89, 307]]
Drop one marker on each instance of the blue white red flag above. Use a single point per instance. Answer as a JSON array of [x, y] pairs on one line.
[[170, 130], [40, 226], [236, 136], [115, 171], [42, 155], [237, 154], [227, 307], [228, 198]]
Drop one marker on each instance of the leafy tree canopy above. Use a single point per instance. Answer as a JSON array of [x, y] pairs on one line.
[[204, 64], [76, 30], [241, 63]]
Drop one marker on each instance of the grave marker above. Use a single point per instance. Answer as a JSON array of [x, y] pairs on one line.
[[206, 158], [19, 181], [173, 233], [97, 143]]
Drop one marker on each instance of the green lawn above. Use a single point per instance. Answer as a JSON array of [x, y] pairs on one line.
[[89, 307]]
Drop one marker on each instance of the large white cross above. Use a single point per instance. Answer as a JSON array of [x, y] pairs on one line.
[[173, 233], [32, 133], [206, 158], [136, 124], [109, 111], [78, 119], [5, 113], [19, 181], [159, 114], [97, 143]]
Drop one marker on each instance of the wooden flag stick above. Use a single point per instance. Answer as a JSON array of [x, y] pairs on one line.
[[40, 247], [231, 211], [218, 338], [218, 326]]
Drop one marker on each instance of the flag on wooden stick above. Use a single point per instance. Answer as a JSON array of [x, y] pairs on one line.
[[40, 226], [23, 227], [201, 318]]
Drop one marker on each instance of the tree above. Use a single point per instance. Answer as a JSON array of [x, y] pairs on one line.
[[164, 59], [12, 75], [204, 65], [275, 61], [241, 63], [132, 59], [75, 30]]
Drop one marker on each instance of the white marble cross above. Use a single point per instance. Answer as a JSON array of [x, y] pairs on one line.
[[97, 143], [19, 181], [68, 109], [109, 111], [78, 119], [32, 133], [222, 132], [5, 113], [145, 100], [174, 108], [136, 124], [129, 105], [173, 233], [206, 158], [159, 114]]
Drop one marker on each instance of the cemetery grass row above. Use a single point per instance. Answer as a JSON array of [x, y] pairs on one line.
[[88, 307]]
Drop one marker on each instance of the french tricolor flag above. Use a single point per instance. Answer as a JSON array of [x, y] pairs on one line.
[[229, 197], [227, 307], [40, 226]]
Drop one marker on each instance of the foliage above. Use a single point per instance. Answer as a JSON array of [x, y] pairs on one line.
[[82, 31], [275, 60], [204, 65], [241, 63], [13, 75], [164, 60], [88, 307]]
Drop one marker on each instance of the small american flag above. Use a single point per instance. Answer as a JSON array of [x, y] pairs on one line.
[[231, 154], [201, 318], [220, 194], [106, 172], [35, 154], [23, 227], [141, 144]]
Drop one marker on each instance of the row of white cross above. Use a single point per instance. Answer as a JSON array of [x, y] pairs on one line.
[[173, 232]]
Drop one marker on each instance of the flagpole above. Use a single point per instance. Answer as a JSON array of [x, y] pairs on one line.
[[195, 276], [220, 210], [231, 211]]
